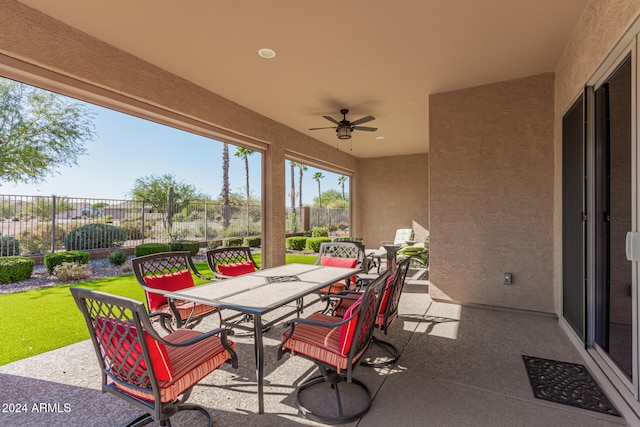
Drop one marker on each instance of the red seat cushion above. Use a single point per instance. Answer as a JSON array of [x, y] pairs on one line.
[[167, 282], [348, 330], [116, 338], [236, 268], [387, 294], [338, 262]]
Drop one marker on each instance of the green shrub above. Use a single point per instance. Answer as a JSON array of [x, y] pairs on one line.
[[51, 261], [314, 243], [320, 232], [15, 268], [151, 248], [94, 236], [232, 241], [71, 271], [213, 244], [38, 240], [117, 257], [296, 243], [9, 246], [186, 245], [252, 241]]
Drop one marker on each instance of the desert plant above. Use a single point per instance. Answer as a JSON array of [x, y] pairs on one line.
[[151, 248], [71, 271], [252, 241], [133, 227], [15, 268], [117, 257], [94, 236], [51, 261], [9, 246], [296, 243], [186, 245], [319, 232], [314, 243], [232, 241], [38, 240]]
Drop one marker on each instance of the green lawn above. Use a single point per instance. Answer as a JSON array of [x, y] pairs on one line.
[[40, 320]]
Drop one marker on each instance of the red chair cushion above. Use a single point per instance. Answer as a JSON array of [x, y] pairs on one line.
[[167, 282], [348, 330], [387, 294], [237, 268], [340, 262], [110, 332]]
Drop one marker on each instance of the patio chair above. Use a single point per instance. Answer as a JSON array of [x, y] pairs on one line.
[[231, 261], [171, 271], [336, 346], [156, 374], [387, 313], [403, 237], [227, 262], [341, 254]]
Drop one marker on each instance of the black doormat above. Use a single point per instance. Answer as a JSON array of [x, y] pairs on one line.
[[566, 383]]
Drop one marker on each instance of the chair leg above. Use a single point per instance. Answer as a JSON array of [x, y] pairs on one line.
[[339, 413], [387, 347], [142, 420]]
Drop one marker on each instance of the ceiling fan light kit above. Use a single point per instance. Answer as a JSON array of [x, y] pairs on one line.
[[345, 127]]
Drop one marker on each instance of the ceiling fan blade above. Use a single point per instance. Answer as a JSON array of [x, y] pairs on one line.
[[362, 120], [365, 128], [330, 127], [331, 119]]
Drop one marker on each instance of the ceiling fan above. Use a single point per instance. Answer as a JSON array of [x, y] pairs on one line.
[[345, 127]]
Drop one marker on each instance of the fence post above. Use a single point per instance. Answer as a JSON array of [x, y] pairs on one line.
[[206, 221], [142, 222], [53, 223]]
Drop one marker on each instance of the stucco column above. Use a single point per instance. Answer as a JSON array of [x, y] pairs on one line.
[[273, 211]]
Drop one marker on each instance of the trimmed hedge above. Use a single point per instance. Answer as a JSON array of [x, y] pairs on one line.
[[232, 241], [186, 245], [15, 268], [320, 232], [51, 261], [296, 243], [313, 243], [252, 241], [9, 246], [151, 248], [94, 236]]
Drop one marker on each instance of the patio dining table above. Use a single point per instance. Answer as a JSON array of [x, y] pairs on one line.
[[258, 293]]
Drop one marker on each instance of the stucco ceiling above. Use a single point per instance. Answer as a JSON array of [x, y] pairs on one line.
[[377, 57]]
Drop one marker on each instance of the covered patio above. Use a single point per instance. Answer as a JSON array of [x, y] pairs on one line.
[[460, 366], [473, 163]]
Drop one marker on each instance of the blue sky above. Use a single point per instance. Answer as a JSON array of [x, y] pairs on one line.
[[127, 148]]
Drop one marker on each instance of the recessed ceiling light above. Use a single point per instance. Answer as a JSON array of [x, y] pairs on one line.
[[266, 53], [380, 137]]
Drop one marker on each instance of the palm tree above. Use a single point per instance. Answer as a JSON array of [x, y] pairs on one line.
[[226, 212], [293, 187], [318, 176], [244, 154], [341, 181], [302, 168]]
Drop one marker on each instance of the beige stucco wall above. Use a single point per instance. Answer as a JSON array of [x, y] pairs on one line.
[[37, 39], [491, 186], [393, 194], [602, 25]]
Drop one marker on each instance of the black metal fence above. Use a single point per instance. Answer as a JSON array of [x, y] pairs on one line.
[[31, 225]]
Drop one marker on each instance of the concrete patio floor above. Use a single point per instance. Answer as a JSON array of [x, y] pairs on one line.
[[460, 366]]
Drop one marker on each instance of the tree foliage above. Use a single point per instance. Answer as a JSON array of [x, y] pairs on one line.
[[153, 189], [39, 132]]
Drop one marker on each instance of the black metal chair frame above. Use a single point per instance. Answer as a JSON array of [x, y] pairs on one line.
[[329, 374], [230, 255], [132, 314], [163, 263]]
